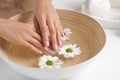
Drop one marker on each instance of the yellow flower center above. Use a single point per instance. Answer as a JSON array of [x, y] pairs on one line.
[[69, 50], [49, 63]]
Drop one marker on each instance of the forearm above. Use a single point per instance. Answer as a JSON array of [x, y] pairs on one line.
[[39, 3], [7, 4], [30, 5], [26, 5]]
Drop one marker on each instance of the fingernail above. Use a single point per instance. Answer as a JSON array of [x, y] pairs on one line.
[[60, 42], [55, 47], [47, 43], [40, 51], [62, 33], [49, 50]]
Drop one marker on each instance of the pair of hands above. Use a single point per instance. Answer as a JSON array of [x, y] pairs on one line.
[[46, 22]]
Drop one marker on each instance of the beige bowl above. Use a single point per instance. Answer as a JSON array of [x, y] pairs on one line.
[[87, 34]]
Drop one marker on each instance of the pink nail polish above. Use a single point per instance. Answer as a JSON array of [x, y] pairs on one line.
[[60, 42], [47, 43], [55, 47], [40, 51], [62, 34], [49, 50]]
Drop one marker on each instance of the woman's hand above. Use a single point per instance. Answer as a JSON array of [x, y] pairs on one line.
[[47, 21], [21, 34]]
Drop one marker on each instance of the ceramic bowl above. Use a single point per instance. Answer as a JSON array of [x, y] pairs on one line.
[[109, 23], [88, 34]]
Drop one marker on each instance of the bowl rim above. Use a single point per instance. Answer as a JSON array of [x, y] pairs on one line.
[[69, 67]]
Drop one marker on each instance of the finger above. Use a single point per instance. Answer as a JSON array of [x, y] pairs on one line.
[[58, 34], [36, 25], [31, 47], [35, 35], [31, 27], [45, 32], [61, 30], [52, 33], [49, 51], [33, 41], [60, 26]]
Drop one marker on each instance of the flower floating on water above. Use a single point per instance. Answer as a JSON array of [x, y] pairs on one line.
[[47, 61], [67, 33], [64, 38], [69, 50]]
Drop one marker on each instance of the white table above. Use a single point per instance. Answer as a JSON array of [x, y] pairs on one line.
[[106, 67]]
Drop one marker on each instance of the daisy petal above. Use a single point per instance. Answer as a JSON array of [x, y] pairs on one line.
[[47, 61], [69, 50]]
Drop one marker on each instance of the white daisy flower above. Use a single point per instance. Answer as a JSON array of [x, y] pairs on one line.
[[69, 50], [64, 38], [67, 33], [47, 61]]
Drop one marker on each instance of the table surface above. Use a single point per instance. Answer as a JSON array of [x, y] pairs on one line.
[[106, 67]]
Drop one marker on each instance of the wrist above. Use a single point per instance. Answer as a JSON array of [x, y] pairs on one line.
[[2, 22], [39, 1]]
